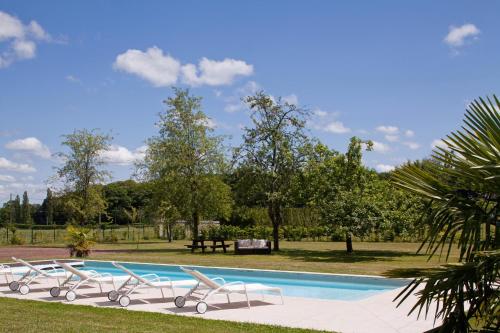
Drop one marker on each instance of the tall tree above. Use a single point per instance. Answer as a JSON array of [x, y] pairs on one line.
[[274, 150], [16, 207], [186, 161], [49, 207], [26, 209], [82, 171], [462, 190]]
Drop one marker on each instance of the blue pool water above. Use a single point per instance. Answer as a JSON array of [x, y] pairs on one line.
[[322, 286]]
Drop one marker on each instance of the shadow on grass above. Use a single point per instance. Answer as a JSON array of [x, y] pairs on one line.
[[341, 256], [406, 272]]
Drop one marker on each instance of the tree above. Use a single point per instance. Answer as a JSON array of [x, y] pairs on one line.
[[49, 207], [186, 161], [16, 208], [82, 172], [461, 188], [338, 186], [274, 151], [169, 215], [26, 210]]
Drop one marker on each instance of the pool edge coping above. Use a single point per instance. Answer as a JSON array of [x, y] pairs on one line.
[[234, 268]]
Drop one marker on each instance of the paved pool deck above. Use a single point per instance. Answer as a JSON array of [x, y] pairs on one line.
[[371, 315]]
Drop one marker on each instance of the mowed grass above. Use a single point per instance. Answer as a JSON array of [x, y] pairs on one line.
[[390, 259], [33, 316], [326, 257]]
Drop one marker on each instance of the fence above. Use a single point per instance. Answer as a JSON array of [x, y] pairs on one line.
[[23, 234]]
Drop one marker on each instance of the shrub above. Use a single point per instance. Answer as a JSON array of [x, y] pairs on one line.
[[80, 241]]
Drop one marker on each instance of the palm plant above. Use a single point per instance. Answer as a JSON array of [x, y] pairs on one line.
[[80, 241], [461, 183]]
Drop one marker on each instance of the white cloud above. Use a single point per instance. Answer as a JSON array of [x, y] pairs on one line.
[[387, 129], [122, 156], [209, 122], [24, 49], [38, 32], [159, 69], [392, 138], [20, 38], [412, 145], [380, 147], [13, 166], [215, 73], [250, 88], [163, 70], [291, 99], [384, 167], [457, 36], [409, 133], [7, 178], [320, 113], [36, 192], [336, 127], [438, 143], [10, 27], [235, 102], [30, 145]]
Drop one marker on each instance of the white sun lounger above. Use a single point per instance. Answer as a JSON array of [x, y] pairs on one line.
[[6, 272], [135, 281], [78, 278], [206, 288], [33, 274]]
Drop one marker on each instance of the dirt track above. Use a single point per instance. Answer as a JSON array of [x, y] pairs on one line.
[[32, 253]]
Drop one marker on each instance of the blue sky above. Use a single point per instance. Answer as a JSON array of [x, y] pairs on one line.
[[399, 73]]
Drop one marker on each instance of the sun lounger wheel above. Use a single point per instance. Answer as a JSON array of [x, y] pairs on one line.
[[124, 301], [113, 295], [14, 285], [24, 289], [55, 291], [201, 307], [180, 301], [70, 296]]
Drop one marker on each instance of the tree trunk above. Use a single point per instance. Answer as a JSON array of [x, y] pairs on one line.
[[275, 216], [196, 222], [169, 232], [348, 242]]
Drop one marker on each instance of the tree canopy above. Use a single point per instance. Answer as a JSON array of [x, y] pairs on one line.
[[186, 161]]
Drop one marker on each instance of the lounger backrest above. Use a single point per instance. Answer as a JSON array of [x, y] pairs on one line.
[[30, 266], [81, 274], [132, 274], [201, 278]]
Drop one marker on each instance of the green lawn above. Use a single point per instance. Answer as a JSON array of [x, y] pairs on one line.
[[390, 259], [330, 257], [33, 316]]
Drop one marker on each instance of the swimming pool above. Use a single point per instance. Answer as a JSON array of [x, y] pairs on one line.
[[297, 284]]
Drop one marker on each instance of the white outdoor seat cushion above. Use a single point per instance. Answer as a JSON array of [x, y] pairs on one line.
[[259, 243], [245, 243]]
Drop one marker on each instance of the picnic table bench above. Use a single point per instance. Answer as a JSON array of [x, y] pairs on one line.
[[222, 245], [200, 244], [197, 244]]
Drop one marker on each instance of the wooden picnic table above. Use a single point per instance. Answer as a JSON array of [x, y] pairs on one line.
[[200, 244], [197, 244], [221, 245]]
